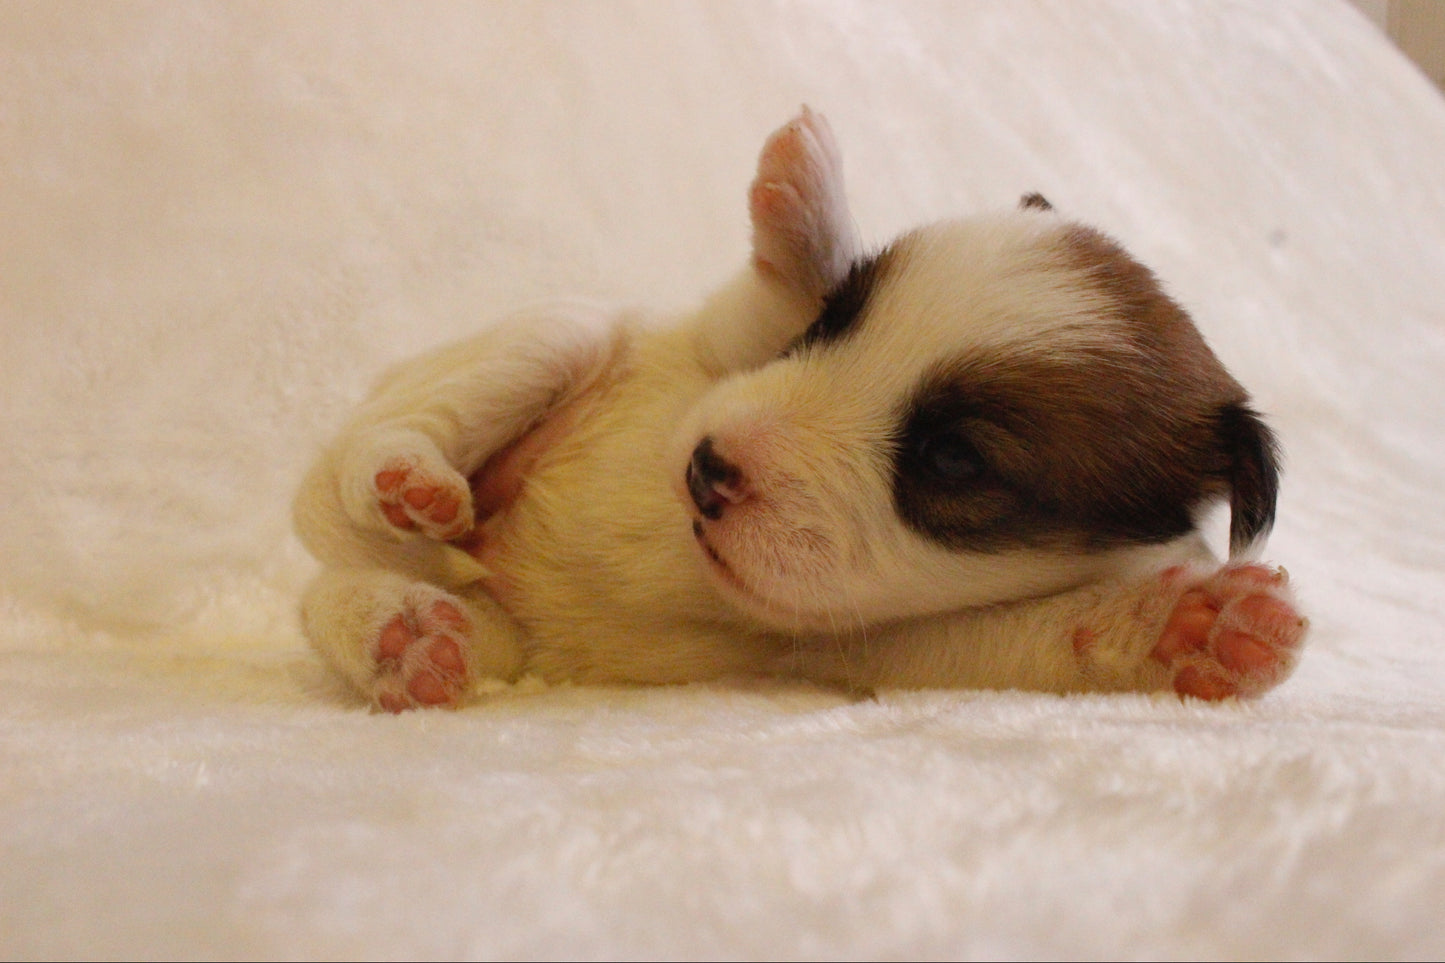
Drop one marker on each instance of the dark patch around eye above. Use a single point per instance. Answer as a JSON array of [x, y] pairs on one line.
[[945, 487], [844, 306], [1035, 201], [1036, 453], [950, 456]]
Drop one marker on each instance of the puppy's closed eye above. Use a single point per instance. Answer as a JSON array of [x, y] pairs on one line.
[[947, 485], [947, 454]]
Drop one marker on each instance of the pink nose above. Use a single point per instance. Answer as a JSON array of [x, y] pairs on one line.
[[713, 481]]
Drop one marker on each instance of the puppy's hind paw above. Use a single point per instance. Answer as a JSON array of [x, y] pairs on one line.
[[802, 231], [421, 655], [416, 497], [1235, 633]]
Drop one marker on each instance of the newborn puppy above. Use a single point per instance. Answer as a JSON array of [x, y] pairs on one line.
[[975, 458]]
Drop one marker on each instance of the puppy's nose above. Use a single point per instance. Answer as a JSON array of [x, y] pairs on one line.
[[713, 481]]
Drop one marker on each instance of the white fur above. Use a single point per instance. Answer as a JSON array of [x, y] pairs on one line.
[[594, 573]]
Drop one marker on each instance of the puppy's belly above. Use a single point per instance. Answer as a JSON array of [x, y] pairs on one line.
[[496, 485], [503, 495], [497, 488], [591, 551]]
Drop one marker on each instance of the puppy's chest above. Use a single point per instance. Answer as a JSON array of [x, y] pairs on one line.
[[593, 529]]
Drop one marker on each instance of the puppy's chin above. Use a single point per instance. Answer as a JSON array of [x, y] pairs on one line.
[[736, 590], [774, 601], [895, 582]]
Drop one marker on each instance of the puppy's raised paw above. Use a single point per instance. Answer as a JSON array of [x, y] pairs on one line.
[[421, 654], [414, 496], [1236, 632], [802, 232]]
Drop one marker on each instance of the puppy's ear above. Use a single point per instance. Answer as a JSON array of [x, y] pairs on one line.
[[1253, 458]]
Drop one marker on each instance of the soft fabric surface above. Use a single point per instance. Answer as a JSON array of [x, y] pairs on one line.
[[222, 220]]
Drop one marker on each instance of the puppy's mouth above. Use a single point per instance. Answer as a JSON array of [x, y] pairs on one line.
[[759, 605], [718, 562], [729, 577]]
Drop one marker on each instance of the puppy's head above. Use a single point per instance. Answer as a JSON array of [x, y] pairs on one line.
[[987, 410]]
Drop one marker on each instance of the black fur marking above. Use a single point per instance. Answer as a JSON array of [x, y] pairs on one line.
[[844, 306], [1035, 201], [1253, 475]]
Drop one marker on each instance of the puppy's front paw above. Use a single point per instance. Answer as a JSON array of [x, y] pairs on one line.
[[414, 495], [802, 231], [1234, 633], [421, 654]]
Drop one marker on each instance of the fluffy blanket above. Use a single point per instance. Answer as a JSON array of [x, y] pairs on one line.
[[222, 220]]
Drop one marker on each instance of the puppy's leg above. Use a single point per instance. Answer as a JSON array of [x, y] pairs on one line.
[[1211, 633], [401, 473], [404, 644], [803, 233], [804, 241], [389, 506], [397, 483]]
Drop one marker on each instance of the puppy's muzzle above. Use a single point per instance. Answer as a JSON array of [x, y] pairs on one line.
[[713, 482]]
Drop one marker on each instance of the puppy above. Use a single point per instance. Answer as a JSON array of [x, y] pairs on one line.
[[975, 458]]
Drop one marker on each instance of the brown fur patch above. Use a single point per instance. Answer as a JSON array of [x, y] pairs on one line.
[[1114, 444]]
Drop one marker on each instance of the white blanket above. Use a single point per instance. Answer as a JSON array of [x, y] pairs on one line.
[[221, 220]]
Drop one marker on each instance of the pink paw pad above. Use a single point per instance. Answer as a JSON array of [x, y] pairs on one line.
[[795, 199], [413, 499], [1235, 633], [420, 657]]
